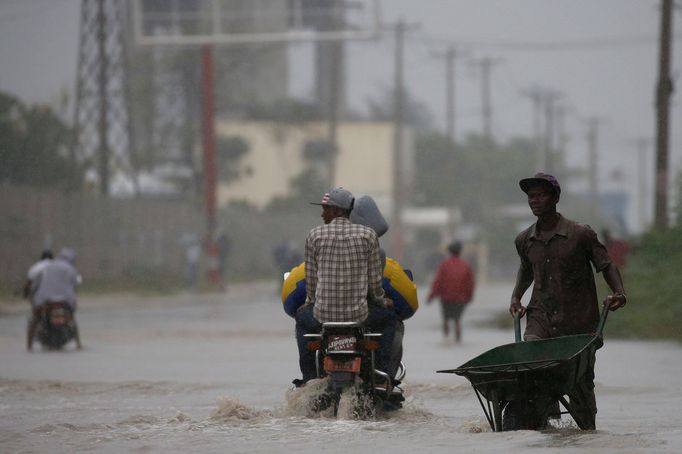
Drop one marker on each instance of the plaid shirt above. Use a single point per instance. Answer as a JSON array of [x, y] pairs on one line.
[[343, 268]]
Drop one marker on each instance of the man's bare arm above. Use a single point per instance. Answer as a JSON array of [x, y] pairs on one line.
[[615, 282], [524, 277]]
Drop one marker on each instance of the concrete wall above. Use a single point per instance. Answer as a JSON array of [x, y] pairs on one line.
[[112, 237]]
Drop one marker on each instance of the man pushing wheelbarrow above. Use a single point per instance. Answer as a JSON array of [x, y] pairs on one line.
[[524, 382], [556, 254]]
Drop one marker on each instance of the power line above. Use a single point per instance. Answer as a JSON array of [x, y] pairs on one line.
[[587, 44]]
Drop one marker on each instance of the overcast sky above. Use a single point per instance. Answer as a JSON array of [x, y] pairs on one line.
[[600, 54]]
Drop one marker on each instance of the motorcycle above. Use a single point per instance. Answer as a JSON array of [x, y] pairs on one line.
[[56, 326], [345, 352]]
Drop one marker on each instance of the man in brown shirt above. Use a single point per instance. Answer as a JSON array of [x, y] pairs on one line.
[[557, 256]]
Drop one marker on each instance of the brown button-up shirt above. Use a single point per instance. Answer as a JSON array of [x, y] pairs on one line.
[[564, 298]]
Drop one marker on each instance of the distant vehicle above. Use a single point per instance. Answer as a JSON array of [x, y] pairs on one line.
[[57, 325]]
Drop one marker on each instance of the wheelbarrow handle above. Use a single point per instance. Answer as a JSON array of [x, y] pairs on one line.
[[517, 327], [602, 318]]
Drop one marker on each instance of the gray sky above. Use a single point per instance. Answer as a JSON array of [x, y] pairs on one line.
[[600, 54]]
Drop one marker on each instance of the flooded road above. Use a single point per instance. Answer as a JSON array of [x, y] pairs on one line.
[[212, 373]]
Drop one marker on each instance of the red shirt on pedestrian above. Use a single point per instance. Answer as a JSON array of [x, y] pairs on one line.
[[454, 281]]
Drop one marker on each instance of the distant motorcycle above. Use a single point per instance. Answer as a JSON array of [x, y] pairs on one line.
[[57, 326], [345, 352]]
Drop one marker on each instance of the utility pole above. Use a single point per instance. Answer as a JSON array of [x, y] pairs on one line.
[[664, 91], [561, 136], [330, 64], [450, 56], [398, 143], [450, 93], [549, 100], [592, 164], [486, 65], [209, 150], [333, 109], [535, 95], [544, 106], [641, 147]]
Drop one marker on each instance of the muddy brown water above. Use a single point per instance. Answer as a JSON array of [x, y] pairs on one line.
[[212, 373]]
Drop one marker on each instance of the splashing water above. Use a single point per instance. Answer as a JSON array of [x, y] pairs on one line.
[[230, 410], [300, 401], [354, 405]]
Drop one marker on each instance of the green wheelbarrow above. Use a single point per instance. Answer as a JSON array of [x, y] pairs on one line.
[[532, 375]]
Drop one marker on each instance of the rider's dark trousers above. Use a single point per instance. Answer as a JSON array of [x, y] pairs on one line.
[[380, 320]]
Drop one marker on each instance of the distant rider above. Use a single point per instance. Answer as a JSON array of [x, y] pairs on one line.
[[34, 271], [56, 281]]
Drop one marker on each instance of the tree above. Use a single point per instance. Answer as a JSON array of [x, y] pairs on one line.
[[230, 151], [34, 147], [416, 112], [477, 176]]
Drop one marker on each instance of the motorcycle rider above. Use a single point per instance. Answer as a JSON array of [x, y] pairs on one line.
[[397, 282], [343, 281], [56, 281], [34, 271]]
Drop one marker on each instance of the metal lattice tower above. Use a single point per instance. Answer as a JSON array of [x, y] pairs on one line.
[[102, 110]]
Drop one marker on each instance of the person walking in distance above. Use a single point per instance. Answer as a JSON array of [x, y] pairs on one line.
[[454, 285]]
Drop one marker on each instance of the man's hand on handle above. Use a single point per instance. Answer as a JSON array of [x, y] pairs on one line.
[[615, 301], [517, 308]]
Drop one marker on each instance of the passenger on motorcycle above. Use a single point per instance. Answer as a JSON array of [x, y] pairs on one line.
[[397, 282], [343, 281], [34, 271], [56, 282]]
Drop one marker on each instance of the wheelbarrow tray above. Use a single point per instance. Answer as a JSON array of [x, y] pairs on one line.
[[529, 370]]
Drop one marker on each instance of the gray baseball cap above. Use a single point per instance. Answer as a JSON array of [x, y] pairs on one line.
[[337, 197], [366, 212]]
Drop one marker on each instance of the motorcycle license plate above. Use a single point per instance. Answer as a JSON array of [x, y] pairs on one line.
[[341, 343], [337, 365]]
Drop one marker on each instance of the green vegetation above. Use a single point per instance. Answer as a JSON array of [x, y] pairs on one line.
[[35, 147], [654, 289]]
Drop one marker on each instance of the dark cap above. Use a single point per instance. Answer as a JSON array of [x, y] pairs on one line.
[[540, 179], [337, 197]]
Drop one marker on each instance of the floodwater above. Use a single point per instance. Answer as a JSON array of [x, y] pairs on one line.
[[212, 373]]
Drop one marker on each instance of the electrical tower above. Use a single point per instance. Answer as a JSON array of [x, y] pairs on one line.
[[102, 110]]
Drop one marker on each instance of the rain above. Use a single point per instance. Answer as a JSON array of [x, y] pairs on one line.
[[170, 151]]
